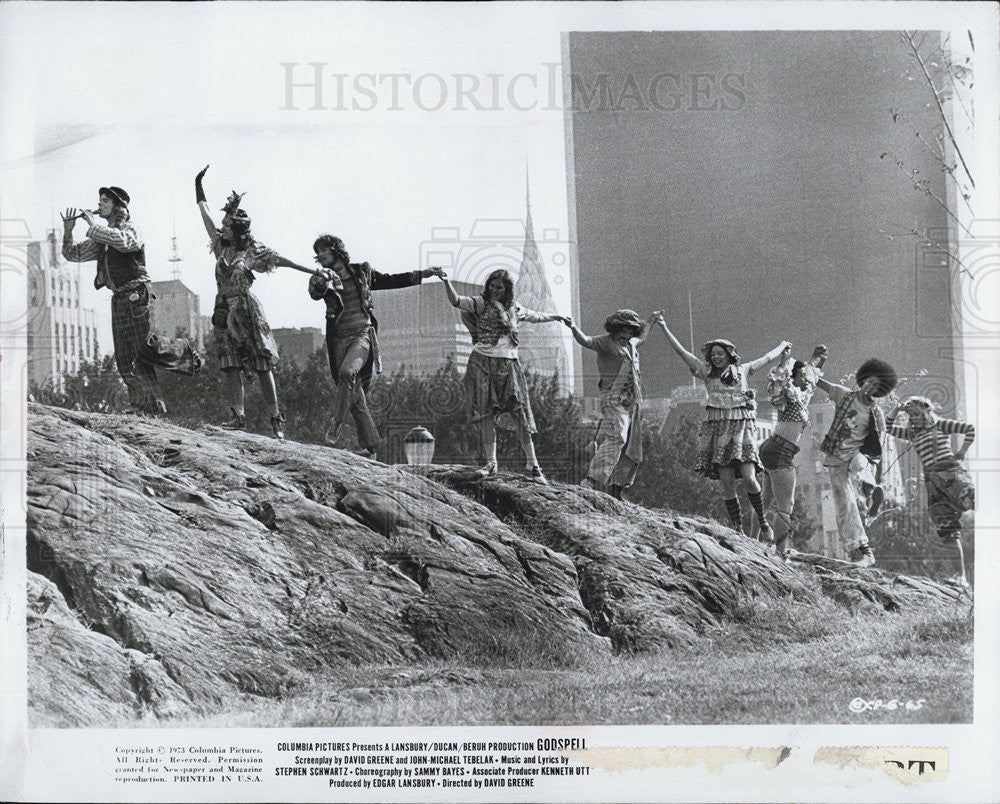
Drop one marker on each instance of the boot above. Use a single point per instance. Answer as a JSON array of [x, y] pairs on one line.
[[535, 473], [278, 425], [863, 556], [332, 434], [238, 422]]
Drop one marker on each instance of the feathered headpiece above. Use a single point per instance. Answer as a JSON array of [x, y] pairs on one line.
[[233, 203], [233, 211]]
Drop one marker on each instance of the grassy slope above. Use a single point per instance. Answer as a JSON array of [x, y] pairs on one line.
[[779, 663]]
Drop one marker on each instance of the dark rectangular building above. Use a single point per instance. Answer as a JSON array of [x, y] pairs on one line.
[[760, 171]]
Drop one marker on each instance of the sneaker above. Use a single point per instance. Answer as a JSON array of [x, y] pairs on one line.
[[238, 422], [863, 555], [277, 424], [615, 491], [766, 535], [535, 473], [488, 469], [587, 483], [875, 503]]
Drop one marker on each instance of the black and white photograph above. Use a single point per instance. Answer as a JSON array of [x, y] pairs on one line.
[[499, 401]]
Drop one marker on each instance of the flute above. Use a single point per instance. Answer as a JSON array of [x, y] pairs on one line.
[[80, 215]]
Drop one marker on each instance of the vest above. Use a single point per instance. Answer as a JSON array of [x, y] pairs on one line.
[[872, 445], [123, 267]]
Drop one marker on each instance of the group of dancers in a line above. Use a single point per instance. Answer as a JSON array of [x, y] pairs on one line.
[[497, 389]]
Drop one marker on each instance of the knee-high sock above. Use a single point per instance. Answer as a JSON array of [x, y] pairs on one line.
[[733, 509], [758, 506]]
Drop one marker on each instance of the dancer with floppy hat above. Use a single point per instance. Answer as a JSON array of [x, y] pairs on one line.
[[120, 253], [618, 440], [727, 441]]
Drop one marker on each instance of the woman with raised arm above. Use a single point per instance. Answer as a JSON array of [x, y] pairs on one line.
[[618, 441], [243, 336], [494, 380], [727, 442]]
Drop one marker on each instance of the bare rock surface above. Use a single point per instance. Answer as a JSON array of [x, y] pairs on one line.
[[238, 563], [171, 569], [78, 676], [654, 579]]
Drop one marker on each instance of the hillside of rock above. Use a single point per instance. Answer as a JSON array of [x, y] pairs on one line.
[[171, 568]]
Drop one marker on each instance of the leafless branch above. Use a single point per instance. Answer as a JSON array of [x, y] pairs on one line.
[[937, 153], [924, 186], [927, 241], [937, 99]]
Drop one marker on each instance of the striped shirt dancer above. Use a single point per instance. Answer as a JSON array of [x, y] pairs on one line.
[[950, 490]]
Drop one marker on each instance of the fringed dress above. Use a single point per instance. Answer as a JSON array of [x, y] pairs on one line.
[[245, 339]]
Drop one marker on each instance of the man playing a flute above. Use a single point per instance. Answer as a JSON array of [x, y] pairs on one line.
[[120, 253]]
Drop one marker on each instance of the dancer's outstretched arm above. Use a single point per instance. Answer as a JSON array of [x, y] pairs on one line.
[[453, 296], [692, 361], [650, 322], [770, 357], [206, 216], [586, 341]]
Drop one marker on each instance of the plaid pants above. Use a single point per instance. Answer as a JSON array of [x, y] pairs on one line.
[[130, 331]]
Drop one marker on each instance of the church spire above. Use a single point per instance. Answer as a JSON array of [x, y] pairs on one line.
[[529, 228], [540, 346]]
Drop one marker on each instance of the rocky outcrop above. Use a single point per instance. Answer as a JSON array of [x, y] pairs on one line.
[[78, 676], [240, 563], [171, 568], [653, 579]]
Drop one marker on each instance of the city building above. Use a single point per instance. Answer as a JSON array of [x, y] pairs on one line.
[[299, 345], [756, 171], [176, 311], [419, 331], [60, 332]]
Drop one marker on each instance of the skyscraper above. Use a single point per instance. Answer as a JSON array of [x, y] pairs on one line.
[[419, 331], [176, 311], [760, 171]]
